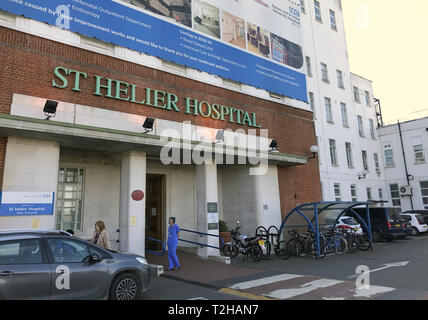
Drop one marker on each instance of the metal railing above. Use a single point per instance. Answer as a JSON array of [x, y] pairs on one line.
[[155, 252], [201, 235]]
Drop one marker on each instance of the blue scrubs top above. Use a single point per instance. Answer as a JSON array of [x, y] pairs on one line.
[[173, 235]]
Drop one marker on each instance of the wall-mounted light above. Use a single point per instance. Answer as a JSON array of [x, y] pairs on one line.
[[50, 109], [362, 175], [273, 145], [314, 150], [219, 137], [148, 124]]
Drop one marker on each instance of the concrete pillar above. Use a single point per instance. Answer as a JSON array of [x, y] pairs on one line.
[[132, 219], [30, 166], [207, 202]]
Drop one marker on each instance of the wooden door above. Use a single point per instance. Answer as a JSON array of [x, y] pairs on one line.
[[154, 210]]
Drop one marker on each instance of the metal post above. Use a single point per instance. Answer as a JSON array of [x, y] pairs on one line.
[[317, 232], [369, 226]]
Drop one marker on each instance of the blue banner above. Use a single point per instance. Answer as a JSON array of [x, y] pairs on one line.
[[131, 28]]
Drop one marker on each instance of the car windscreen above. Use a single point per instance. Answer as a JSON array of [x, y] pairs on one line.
[[394, 214], [350, 221], [420, 218]]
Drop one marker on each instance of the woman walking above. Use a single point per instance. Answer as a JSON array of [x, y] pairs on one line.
[[100, 237], [173, 234]]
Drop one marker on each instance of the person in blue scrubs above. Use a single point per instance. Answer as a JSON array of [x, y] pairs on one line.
[[172, 242]]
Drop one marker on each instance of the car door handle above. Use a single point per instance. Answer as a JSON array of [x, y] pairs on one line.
[[6, 273]]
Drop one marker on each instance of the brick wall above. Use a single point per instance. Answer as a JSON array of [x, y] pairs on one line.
[[27, 68]]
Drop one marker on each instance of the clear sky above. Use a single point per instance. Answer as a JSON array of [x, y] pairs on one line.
[[387, 43]]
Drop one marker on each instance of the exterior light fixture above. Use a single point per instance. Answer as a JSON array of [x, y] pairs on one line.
[[314, 150], [362, 175], [148, 124], [50, 109], [273, 145], [219, 136]]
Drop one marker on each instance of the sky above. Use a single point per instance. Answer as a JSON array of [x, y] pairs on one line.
[[387, 44]]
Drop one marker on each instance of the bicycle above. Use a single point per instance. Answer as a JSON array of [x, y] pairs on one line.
[[334, 242]]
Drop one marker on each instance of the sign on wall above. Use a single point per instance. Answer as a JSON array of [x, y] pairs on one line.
[[256, 42], [26, 203]]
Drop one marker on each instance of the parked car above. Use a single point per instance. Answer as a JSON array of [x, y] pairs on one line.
[[386, 223], [349, 222], [423, 213], [55, 265], [416, 223]]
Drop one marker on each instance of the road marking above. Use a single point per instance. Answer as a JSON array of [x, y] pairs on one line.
[[198, 298], [244, 294], [371, 291], [264, 281], [306, 288], [386, 266]]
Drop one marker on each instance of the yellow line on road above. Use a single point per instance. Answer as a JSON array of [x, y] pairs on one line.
[[244, 294]]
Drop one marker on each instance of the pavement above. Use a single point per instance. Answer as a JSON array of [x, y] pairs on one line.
[[300, 278]]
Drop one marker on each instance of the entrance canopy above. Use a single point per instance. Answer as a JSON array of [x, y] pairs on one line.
[[323, 213]]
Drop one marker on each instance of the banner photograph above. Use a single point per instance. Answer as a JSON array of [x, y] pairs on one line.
[[255, 42]]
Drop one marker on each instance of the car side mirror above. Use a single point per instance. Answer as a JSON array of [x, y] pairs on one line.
[[94, 258]]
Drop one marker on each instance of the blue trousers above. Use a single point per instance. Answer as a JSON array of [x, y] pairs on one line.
[[172, 257]]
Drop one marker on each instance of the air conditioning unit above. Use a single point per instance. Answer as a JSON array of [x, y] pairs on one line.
[[405, 191]]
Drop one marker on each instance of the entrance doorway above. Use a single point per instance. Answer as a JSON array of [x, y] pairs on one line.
[[155, 222]]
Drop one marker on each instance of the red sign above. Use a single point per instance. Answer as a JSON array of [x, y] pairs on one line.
[[137, 195]]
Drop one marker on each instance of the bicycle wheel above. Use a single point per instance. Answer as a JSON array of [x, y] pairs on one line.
[[340, 244], [352, 243], [256, 253], [294, 247], [230, 250], [323, 249], [363, 242]]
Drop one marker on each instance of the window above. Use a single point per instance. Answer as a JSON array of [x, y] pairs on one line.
[[389, 155], [368, 99], [360, 126], [369, 194], [380, 190], [344, 114], [324, 72], [376, 162], [372, 131], [308, 66], [312, 103], [357, 95], [348, 148], [68, 250], [418, 150], [333, 156], [395, 195], [20, 252], [365, 163], [69, 205], [340, 79], [337, 192], [424, 192], [302, 6], [333, 20], [354, 193], [328, 111], [317, 11]]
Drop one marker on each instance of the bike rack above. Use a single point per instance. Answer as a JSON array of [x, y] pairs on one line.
[[318, 208], [201, 235], [154, 252]]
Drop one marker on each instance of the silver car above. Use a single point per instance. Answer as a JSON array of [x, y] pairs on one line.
[[55, 265]]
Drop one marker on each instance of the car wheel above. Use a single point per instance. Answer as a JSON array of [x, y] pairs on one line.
[[125, 287], [376, 236], [415, 231]]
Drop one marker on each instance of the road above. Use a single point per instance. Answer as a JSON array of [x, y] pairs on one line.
[[397, 270]]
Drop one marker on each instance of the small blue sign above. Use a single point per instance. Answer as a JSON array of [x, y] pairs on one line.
[[26, 203]]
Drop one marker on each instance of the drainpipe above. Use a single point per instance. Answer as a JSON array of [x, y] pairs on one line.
[[405, 163]]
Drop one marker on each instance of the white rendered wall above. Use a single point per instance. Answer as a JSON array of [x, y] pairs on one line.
[[412, 132], [30, 165]]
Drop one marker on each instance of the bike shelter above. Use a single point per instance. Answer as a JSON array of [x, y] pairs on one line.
[[317, 214]]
